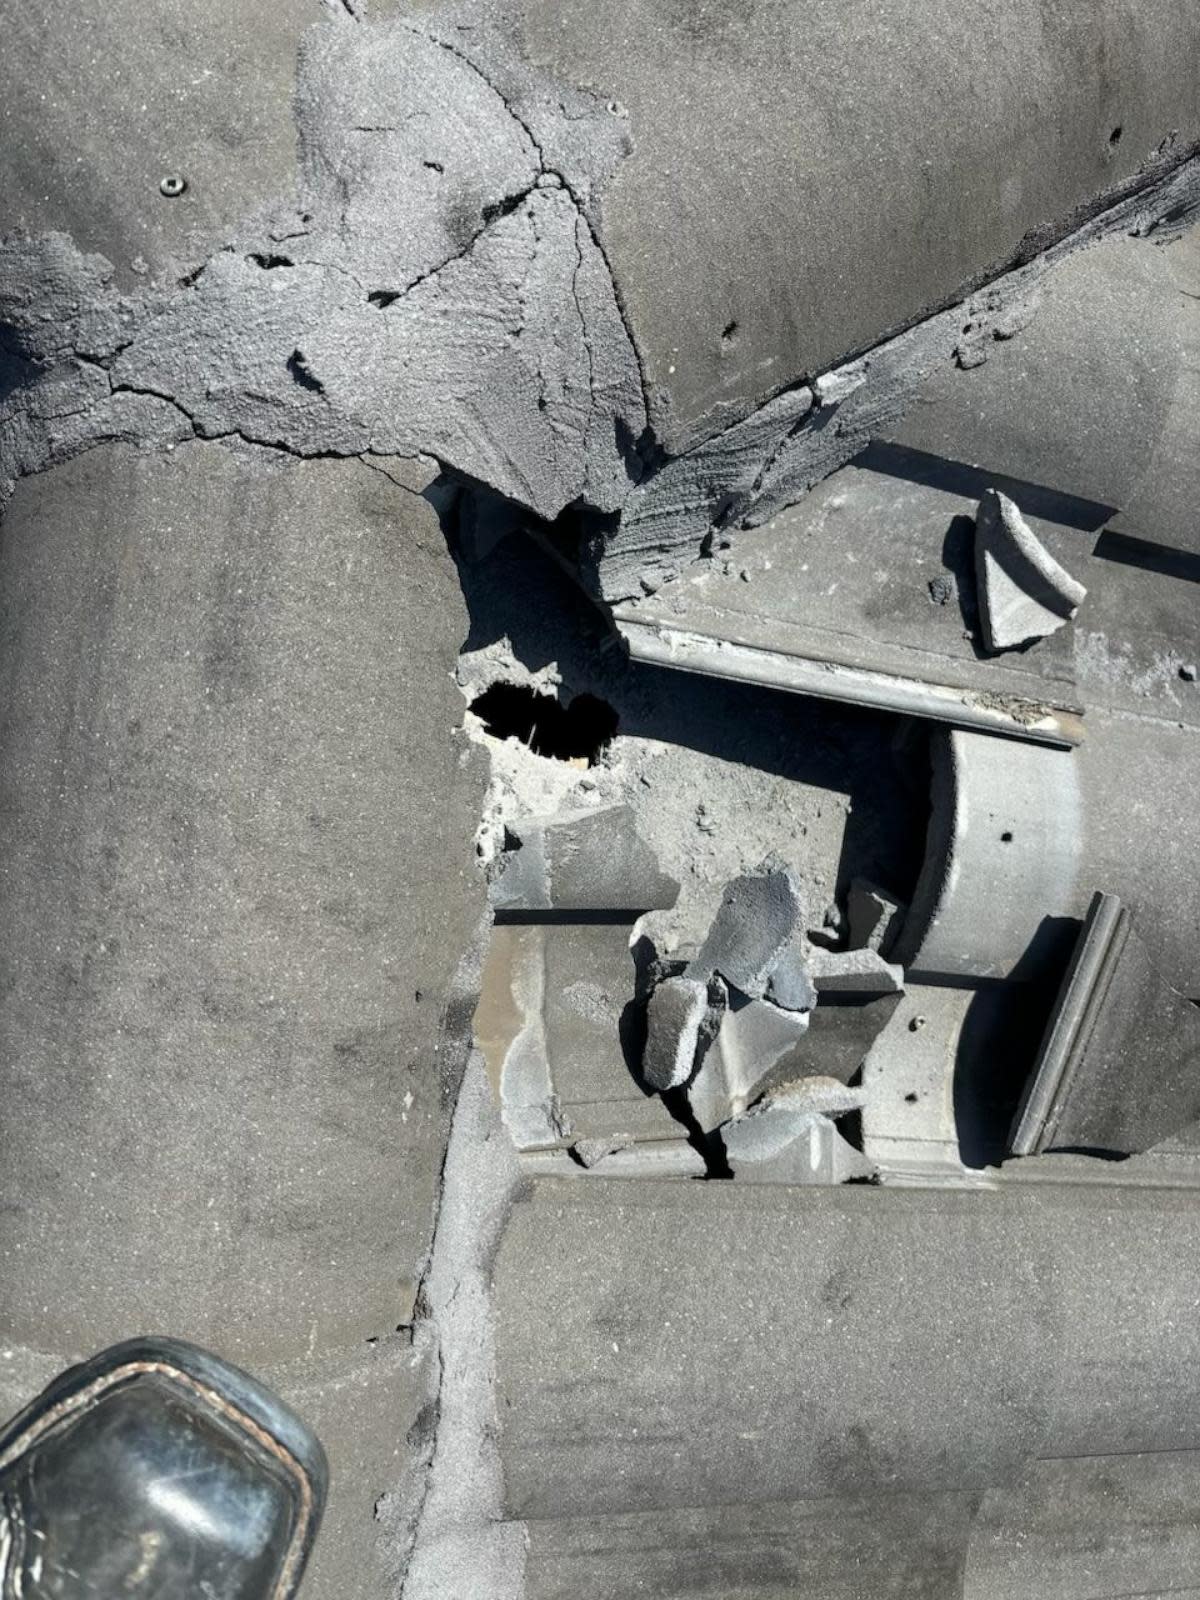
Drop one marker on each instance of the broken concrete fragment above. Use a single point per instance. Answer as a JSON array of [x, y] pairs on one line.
[[790, 984], [758, 916], [874, 916], [853, 972], [1024, 594], [783, 1114], [754, 1039], [674, 1018], [582, 861], [590, 1152], [780, 1148]]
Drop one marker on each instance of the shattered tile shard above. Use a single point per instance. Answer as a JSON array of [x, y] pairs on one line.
[[758, 916], [755, 1039], [790, 983], [1024, 594], [674, 1018]]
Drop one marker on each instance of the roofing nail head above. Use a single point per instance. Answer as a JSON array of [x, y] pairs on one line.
[[172, 185]]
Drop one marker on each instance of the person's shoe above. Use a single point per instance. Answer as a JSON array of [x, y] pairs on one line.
[[159, 1472]]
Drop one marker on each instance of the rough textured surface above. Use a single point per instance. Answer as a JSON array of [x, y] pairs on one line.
[[437, 288], [671, 1312], [372, 1409], [890, 1547], [94, 115], [759, 916], [224, 1110], [769, 264], [459, 1544]]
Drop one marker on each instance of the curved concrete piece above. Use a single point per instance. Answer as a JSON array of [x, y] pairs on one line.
[[1002, 867], [1020, 837], [1024, 594]]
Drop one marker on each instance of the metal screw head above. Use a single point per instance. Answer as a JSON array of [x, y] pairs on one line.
[[172, 185]]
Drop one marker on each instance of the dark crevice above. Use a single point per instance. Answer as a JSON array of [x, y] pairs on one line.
[[383, 297], [707, 1145], [503, 208], [298, 368], [268, 262]]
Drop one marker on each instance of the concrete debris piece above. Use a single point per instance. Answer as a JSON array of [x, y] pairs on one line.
[[790, 983], [861, 971], [759, 915], [590, 1152], [780, 1116], [755, 1040], [1119, 1067], [814, 1153], [674, 1018], [1024, 594], [874, 916], [582, 861]]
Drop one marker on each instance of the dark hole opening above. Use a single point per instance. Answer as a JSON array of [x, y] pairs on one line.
[[1115, 136], [1006, 837], [580, 730]]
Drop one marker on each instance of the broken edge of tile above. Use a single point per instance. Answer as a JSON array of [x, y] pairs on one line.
[[1024, 593]]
